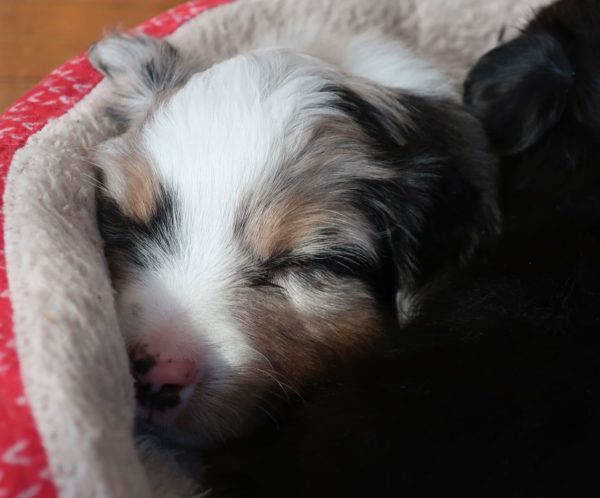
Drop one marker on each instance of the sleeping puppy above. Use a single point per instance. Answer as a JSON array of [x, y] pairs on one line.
[[274, 213], [495, 389]]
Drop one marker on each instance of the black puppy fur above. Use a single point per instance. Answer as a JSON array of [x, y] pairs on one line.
[[494, 391]]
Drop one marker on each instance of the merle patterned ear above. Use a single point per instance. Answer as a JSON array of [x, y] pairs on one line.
[[520, 90], [139, 67], [438, 199]]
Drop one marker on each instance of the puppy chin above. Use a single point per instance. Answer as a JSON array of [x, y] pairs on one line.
[[174, 429], [168, 435]]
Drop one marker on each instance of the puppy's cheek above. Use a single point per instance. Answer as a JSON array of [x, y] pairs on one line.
[[298, 337], [355, 327], [129, 309], [339, 313], [121, 274], [230, 407], [345, 319]]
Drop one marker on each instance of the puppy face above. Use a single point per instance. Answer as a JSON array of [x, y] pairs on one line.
[[264, 217]]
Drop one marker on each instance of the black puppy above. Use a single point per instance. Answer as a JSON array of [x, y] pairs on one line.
[[495, 389]]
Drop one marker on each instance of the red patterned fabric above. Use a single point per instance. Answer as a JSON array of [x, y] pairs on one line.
[[23, 463]]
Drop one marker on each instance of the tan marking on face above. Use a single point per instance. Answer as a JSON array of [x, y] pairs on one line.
[[141, 190], [285, 224]]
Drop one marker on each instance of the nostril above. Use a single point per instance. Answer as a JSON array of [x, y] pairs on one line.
[[142, 365], [171, 389], [165, 398], [140, 360]]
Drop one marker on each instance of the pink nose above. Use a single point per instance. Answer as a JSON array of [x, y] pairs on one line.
[[163, 381], [174, 371]]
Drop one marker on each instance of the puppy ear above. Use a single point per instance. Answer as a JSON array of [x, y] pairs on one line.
[[446, 193], [139, 67], [433, 196], [520, 90]]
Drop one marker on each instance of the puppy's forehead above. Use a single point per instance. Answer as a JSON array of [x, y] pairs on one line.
[[229, 132], [238, 117]]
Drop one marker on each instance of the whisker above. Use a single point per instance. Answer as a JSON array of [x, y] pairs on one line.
[[280, 384]]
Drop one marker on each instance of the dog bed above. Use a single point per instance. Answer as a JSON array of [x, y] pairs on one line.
[[66, 403]]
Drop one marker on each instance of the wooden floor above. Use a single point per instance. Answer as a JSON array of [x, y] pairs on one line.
[[38, 35]]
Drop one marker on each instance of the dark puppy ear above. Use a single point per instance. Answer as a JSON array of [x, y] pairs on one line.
[[520, 90], [451, 180], [434, 200], [139, 67]]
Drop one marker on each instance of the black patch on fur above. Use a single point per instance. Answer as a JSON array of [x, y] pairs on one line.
[[538, 97], [126, 239], [377, 123], [541, 90], [525, 84]]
